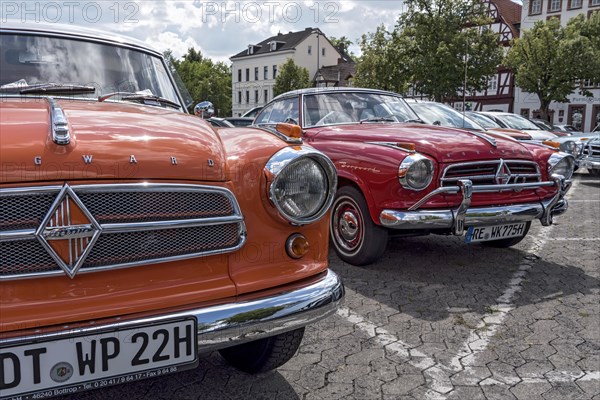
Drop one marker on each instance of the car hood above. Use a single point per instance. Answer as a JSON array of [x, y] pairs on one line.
[[514, 133], [442, 143], [109, 140]]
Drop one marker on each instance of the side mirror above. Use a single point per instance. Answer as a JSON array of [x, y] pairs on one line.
[[437, 123]]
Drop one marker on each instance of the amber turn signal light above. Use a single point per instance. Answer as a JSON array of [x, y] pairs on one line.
[[552, 143], [296, 246], [289, 130], [411, 147]]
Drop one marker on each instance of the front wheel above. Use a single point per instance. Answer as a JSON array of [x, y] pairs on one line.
[[264, 355], [509, 242], [355, 237]]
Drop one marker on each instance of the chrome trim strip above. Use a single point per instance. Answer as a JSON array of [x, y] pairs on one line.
[[288, 310], [392, 145], [6, 236], [499, 163], [485, 137]]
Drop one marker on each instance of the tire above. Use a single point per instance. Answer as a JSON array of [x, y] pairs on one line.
[[264, 354], [355, 237], [504, 243], [594, 172]]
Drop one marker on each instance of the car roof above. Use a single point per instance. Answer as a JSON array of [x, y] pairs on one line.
[[72, 31], [325, 90]]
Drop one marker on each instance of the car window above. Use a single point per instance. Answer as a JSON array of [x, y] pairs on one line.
[[353, 107], [280, 111], [483, 120], [434, 113], [517, 122]]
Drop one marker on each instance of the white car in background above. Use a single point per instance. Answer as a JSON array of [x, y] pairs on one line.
[[515, 121]]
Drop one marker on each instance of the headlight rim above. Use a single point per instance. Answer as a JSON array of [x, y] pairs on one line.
[[554, 161], [287, 157], [405, 167]]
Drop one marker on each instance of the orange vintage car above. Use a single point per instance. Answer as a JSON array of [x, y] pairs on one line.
[[134, 235]]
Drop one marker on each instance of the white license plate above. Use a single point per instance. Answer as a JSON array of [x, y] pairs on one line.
[[63, 366], [485, 233]]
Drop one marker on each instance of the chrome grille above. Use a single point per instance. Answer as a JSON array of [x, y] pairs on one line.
[[592, 148], [139, 224], [493, 172]]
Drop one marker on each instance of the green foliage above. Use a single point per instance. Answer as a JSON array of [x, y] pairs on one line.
[[428, 49], [290, 77], [552, 61], [380, 50], [344, 43], [205, 80]]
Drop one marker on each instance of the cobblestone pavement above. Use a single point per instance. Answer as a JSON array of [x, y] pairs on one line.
[[439, 319]]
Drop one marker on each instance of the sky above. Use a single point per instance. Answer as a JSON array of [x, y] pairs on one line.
[[219, 29]]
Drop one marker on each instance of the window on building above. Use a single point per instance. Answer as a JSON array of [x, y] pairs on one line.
[[266, 73], [247, 96], [239, 75], [323, 51], [255, 73], [594, 3], [256, 96], [553, 16], [274, 71], [535, 7], [525, 112], [309, 50], [493, 83], [247, 74], [575, 4], [240, 97], [266, 96], [554, 5]]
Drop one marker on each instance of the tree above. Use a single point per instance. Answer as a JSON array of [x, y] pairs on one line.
[[206, 80], [430, 47], [442, 38], [343, 43], [552, 61], [379, 66], [290, 77]]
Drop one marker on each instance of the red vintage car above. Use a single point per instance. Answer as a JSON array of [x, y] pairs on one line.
[[399, 176]]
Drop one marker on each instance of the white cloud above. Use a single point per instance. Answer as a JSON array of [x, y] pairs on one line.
[[220, 29]]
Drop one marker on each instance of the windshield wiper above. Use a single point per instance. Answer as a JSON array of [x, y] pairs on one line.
[[132, 96], [417, 120], [49, 88], [378, 119]]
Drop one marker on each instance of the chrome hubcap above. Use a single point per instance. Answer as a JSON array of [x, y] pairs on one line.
[[346, 224]]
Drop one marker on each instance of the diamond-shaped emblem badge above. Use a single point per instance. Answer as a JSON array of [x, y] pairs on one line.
[[68, 231]]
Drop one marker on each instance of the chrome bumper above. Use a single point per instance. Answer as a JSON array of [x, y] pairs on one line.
[[589, 163], [457, 219], [253, 320]]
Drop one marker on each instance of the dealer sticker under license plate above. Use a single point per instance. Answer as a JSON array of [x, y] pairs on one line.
[[485, 233], [57, 367]]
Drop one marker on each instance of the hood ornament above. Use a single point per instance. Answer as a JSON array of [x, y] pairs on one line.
[[59, 126]]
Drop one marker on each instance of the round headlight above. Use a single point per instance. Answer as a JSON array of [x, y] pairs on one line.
[[568, 147], [303, 184], [415, 172], [561, 164]]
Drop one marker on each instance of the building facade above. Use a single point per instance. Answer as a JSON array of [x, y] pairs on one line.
[[254, 69], [505, 16], [581, 111]]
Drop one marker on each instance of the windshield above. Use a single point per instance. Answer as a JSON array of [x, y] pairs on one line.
[[354, 107], [27, 61], [482, 120], [517, 122], [440, 114]]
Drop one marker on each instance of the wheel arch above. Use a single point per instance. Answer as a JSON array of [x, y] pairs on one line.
[[346, 179]]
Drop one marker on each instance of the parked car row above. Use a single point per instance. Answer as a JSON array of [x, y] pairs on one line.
[[135, 235]]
